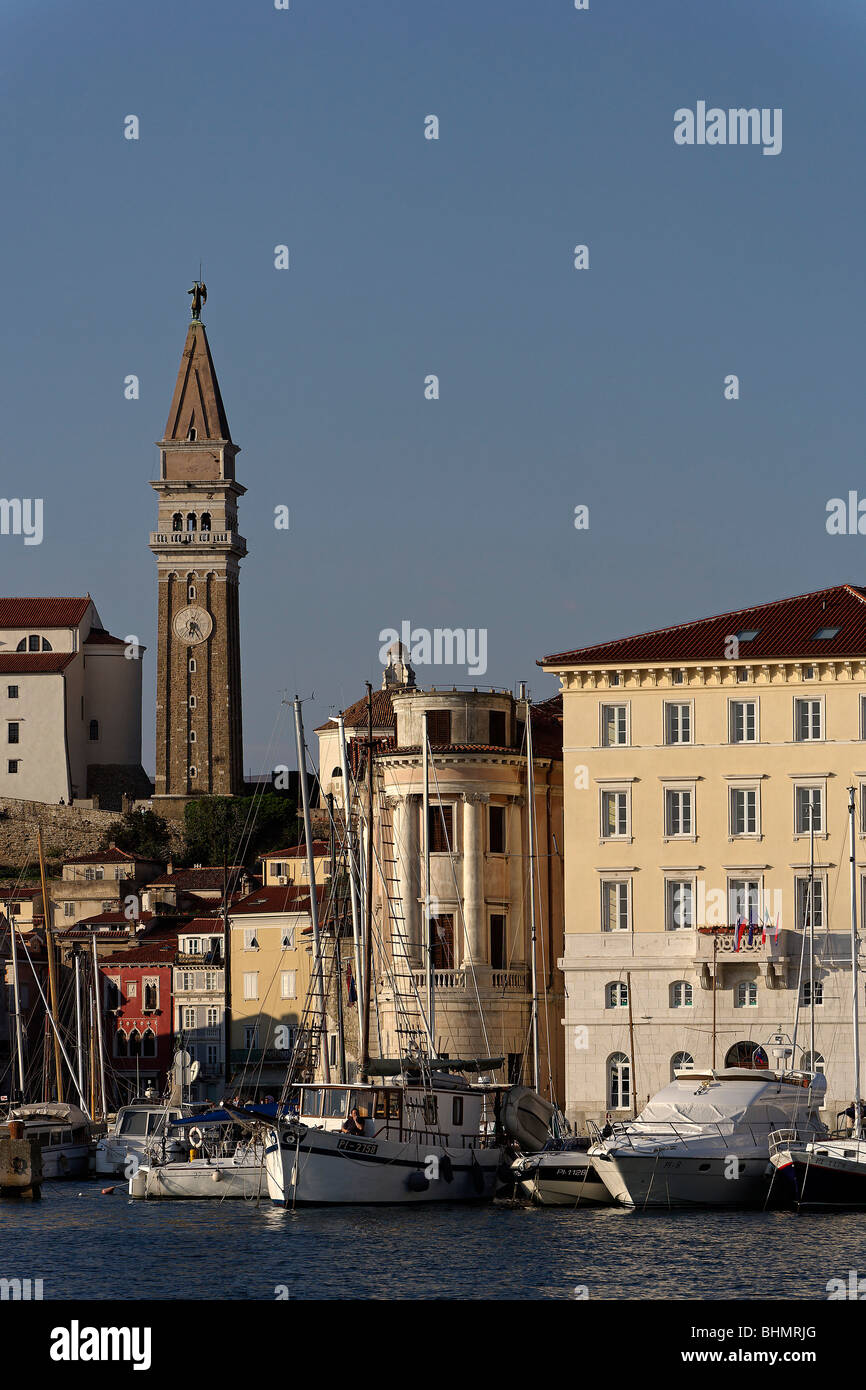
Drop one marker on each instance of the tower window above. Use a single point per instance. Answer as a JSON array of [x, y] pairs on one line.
[[190, 521], [192, 666], [177, 521], [193, 772], [192, 702], [192, 735], [190, 593], [205, 521], [192, 433], [94, 731]]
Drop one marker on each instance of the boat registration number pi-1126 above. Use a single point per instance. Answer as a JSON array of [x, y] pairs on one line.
[[356, 1146]]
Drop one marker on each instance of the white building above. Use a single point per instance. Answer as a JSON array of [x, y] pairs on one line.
[[70, 705]]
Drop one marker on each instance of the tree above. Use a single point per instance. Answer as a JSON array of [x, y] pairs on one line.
[[239, 828], [140, 832]]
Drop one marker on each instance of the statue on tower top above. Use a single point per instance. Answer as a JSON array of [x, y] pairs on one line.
[[199, 295]]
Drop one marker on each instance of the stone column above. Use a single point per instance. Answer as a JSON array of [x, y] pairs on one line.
[[474, 944]]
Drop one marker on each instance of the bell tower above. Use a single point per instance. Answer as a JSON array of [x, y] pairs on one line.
[[199, 744]]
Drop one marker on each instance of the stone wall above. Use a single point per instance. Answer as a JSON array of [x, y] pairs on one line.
[[66, 831]]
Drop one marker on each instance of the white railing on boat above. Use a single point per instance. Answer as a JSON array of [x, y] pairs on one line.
[[667, 1134]]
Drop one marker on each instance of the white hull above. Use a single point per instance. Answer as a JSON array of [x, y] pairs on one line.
[[681, 1180], [199, 1178], [561, 1179], [327, 1167]]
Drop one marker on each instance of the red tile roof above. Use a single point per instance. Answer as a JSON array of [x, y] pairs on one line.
[[98, 637], [34, 663], [785, 628], [355, 717], [42, 612], [320, 847], [288, 898], [206, 878], [110, 856]]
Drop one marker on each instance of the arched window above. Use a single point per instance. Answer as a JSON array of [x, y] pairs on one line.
[[34, 643], [22, 645], [808, 1065], [616, 995], [192, 666], [681, 995], [177, 521], [148, 1043], [46, 645], [190, 521], [120, 1047], [191, 433], [746, 1054], [193, 772], [619, 1082], [681, 1061], [192, 736], [746, 995], [135, 1043], [205, 521]]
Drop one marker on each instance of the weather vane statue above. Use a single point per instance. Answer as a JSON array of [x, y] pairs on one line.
[[199, 295]]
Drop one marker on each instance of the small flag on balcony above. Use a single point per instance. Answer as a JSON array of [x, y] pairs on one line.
[[350, 986], [778, 920], [738, 929], [751, 931]]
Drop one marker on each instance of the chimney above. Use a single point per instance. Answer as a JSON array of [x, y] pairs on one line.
[[169, 868]]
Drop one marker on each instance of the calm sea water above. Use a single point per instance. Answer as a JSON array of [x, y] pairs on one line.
[[85, 1245]]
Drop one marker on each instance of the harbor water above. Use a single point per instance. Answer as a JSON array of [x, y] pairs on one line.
[[84, 1245]]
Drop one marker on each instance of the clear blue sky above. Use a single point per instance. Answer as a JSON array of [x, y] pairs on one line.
[[410, 257]]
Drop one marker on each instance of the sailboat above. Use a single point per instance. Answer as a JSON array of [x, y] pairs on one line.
[[416, 1128], [830, 1173]]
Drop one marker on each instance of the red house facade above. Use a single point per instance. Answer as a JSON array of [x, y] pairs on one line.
[[138, 1012]]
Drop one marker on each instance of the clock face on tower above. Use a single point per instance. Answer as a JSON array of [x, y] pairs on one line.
[[193, 625]]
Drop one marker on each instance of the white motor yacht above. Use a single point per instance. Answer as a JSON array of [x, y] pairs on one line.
[[136, 1128], [704, 1139], [560, 1176]]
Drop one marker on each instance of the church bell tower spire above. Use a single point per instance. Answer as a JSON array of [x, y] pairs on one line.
[[198, 550]]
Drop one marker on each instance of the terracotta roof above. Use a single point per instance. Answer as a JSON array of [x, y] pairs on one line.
[[355, 717], [204, 878], [201, 924], [320, 847], [784, 628], [34, 663], [11, 890], [43, 612], [98, 637], [114, 917], [111, 856], [288, 898], [157, 953]]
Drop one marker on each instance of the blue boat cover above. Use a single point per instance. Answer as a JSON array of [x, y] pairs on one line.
[[224, 1117]]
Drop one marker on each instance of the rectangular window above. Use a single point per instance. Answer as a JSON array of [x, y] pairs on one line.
[[251, 1035], [744, 896], [615, 905], [33, 643], [744, 811], [12, 733], [188, 1018], [614, 726], [288, 989], [132, 989], [803, 903], [808, 721], [680, 913], [678, 813], [497, 728], [614, 815], [441, 829], [439, 726], [808, 801], [251, 942], [497, 829], [498, 948], [69, 909], [212, 1017], [746, 995], [12, 765], [251, 984], [678, 723], [863, 716], [744, 721], [211, 1054], [442, 931], [12, 692]]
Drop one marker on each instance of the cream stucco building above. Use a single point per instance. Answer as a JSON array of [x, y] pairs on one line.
[[479, 881], [694, 757]]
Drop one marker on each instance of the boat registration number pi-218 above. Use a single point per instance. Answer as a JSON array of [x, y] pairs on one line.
[[355, 1146]]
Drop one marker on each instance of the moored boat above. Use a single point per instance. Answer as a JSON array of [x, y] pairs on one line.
[[62, 1132]]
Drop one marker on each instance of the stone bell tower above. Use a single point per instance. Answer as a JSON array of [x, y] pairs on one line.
[[199, 745]]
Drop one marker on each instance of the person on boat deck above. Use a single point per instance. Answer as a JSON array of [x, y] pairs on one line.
[[354, 1124], [850, 1113]]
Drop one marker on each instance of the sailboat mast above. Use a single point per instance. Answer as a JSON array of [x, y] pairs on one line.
[[368, 901], [79, 1037], [52, 972], [16, 994], [428, 927], [812, 931], [533, 927], [97, 1004], [855, 964], [337, 923], [353, 866], [311, 874]]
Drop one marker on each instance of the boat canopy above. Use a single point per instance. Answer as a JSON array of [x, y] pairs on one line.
[[227, 1117], [721, 1100]]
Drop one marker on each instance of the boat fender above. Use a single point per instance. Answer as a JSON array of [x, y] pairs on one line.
[[446, 1169], [216, 1175], [196, 1138], [64, 1163], [416, 1182], [477, 1175]]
